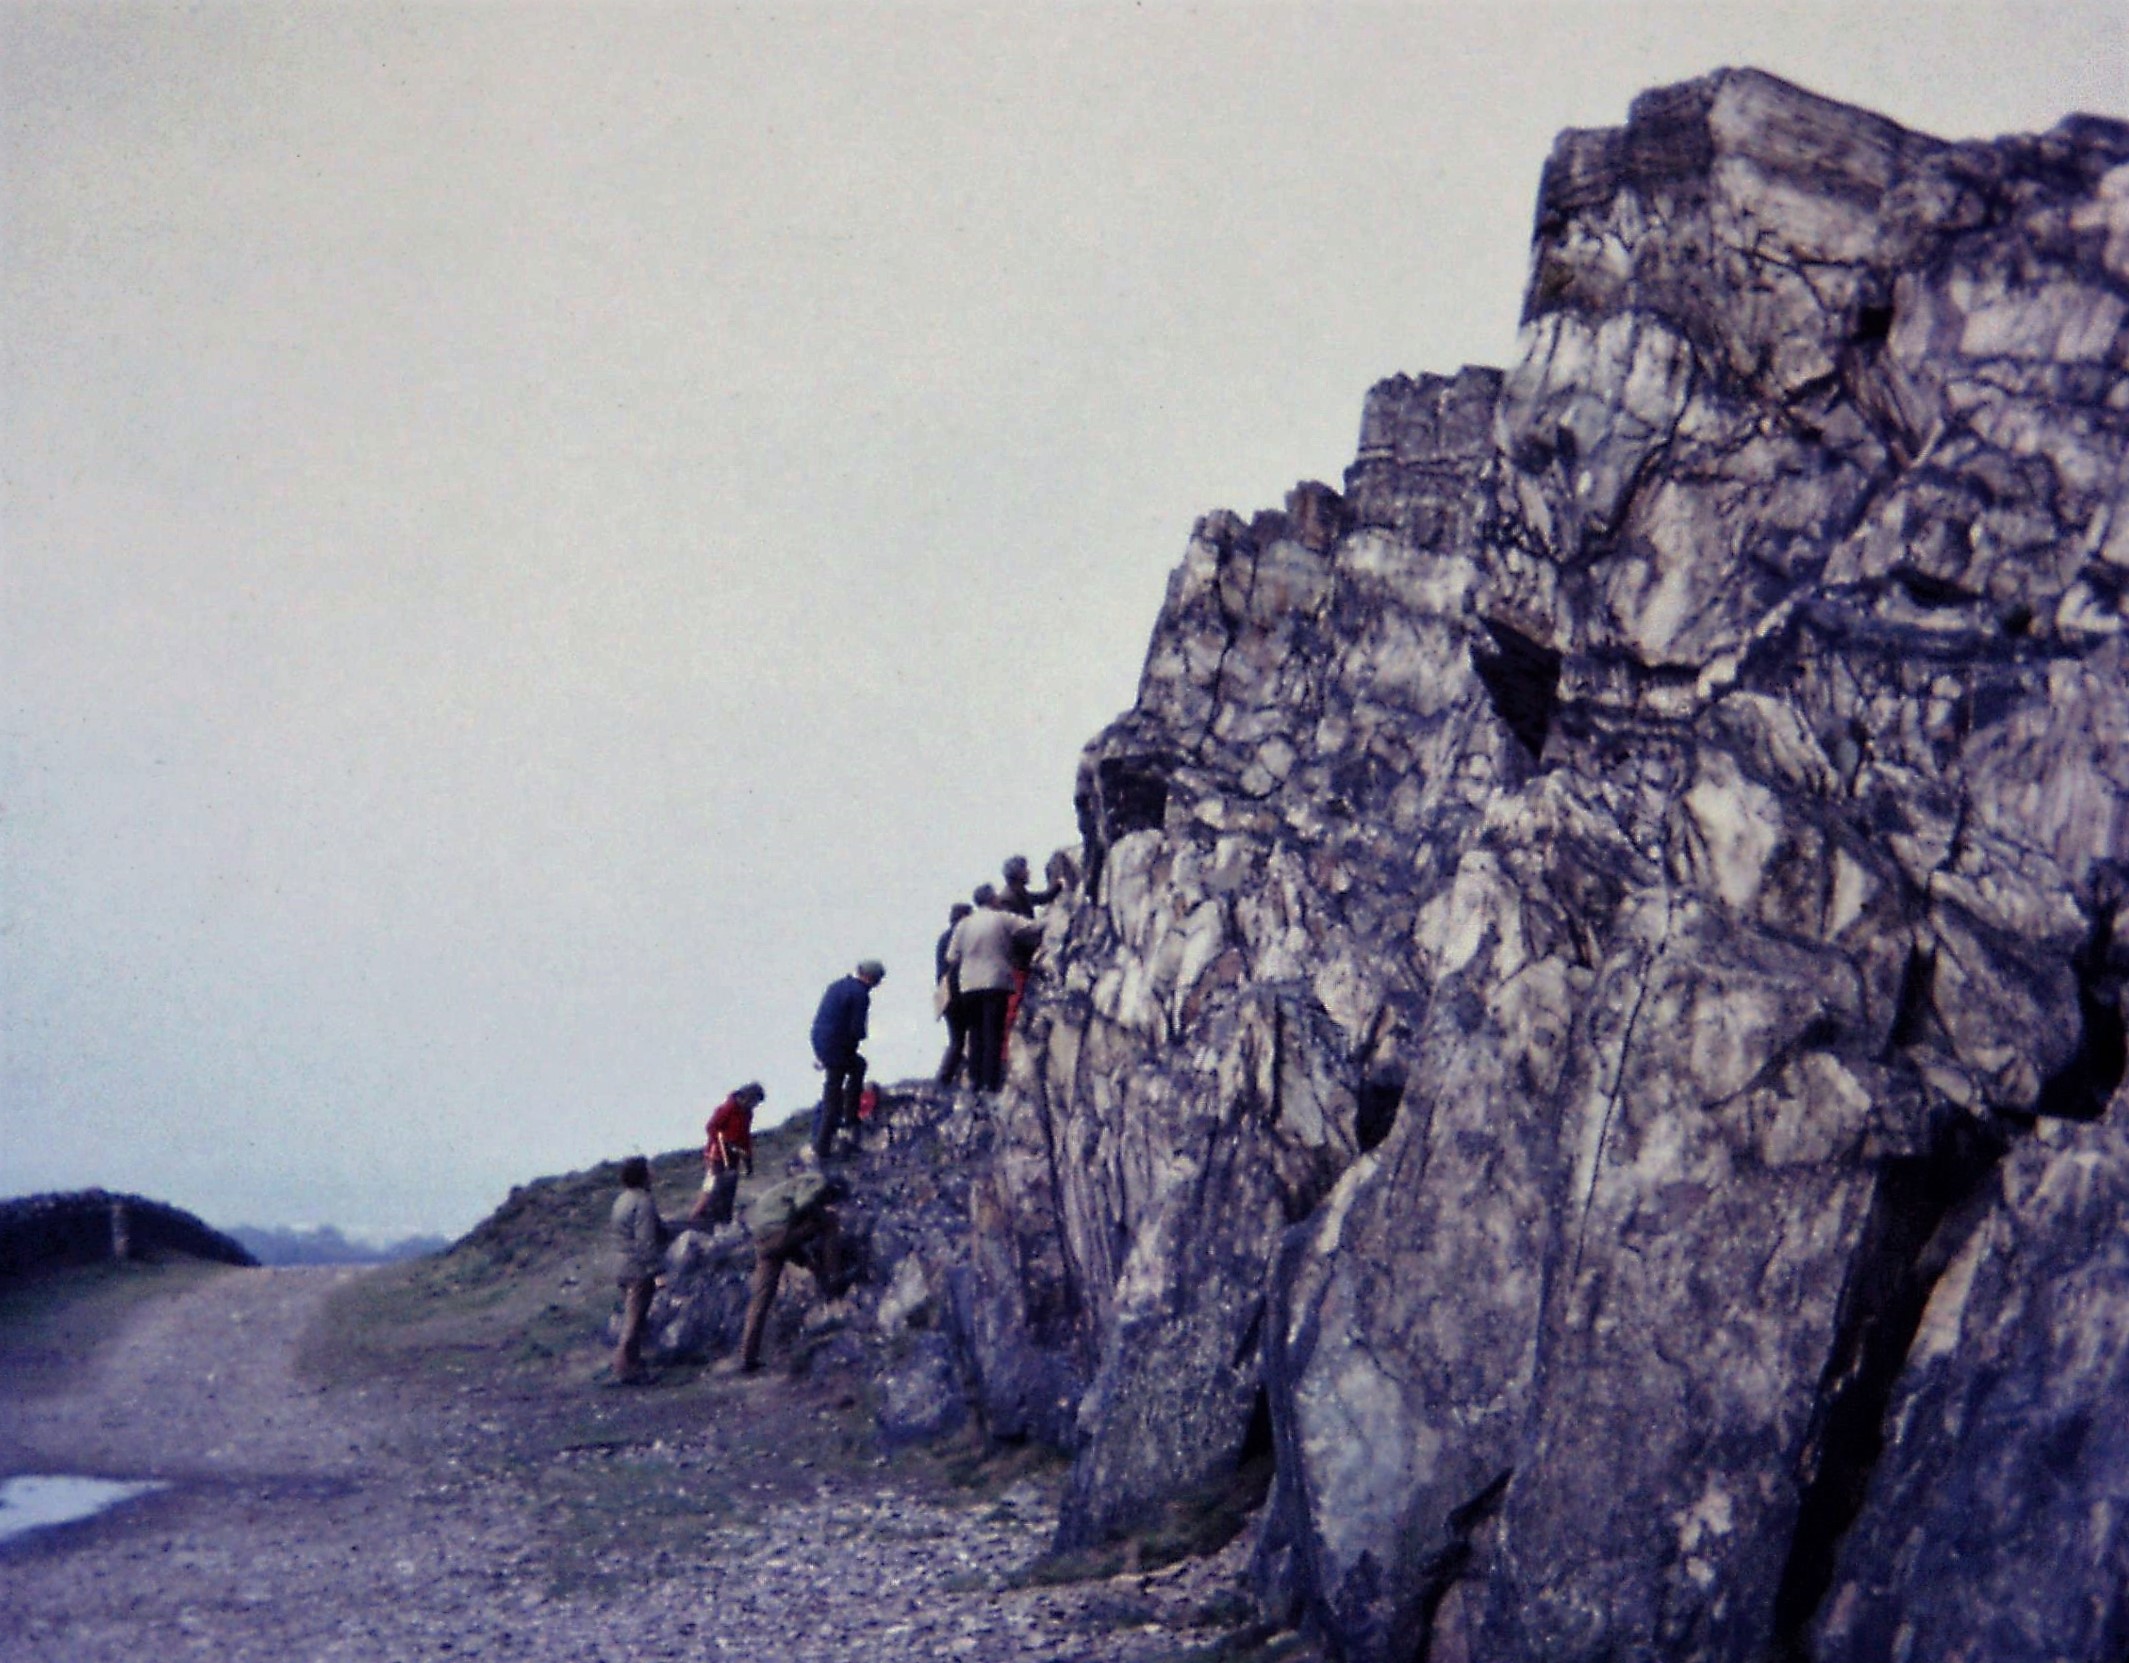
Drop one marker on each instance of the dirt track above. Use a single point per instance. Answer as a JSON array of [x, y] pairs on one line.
[[389, 1522]]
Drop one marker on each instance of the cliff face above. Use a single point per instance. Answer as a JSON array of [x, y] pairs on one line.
[[1595, 1023]]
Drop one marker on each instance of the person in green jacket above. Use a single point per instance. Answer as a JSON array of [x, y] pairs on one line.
[[794, 1222], [639, 1237]]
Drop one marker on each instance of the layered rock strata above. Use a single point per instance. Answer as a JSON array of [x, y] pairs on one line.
[[1594, 1026]]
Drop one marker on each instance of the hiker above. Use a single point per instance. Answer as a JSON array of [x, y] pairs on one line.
[[838, 1030], [794, 1222], [1020, 900], [639, 1237], [728, 1143], [948, 1000], [981, 954]]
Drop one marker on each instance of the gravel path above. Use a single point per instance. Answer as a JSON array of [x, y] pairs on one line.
[[362, 1523]]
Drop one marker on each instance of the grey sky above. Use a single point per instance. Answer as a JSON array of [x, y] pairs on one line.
[[531, 538]]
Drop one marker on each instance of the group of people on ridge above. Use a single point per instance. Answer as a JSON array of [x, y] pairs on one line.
[[982, 962], [793, 1222]]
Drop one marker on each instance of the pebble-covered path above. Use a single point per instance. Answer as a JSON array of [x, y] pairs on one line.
[[297, 1526]]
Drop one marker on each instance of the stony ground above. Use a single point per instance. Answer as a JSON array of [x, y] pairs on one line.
[[333, 1497]]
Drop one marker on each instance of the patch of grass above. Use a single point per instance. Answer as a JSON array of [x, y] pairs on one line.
[[1257, 1643], [970, 1461], [528, 1290], [52, 1325], [1200, 1521]]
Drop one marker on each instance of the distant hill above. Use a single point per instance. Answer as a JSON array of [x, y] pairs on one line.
[[45, 1232], [324, 1245]]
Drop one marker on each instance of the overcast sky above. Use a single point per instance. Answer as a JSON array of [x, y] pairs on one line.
[[534, 537]]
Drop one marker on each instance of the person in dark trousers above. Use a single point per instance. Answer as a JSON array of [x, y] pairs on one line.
[[794, 1222], [639, 1238], [981, 952], [728, 1144], [1021, 902], [950, 1005], [838, 1031]]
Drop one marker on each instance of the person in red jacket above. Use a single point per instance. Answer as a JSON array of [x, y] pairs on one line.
[[1021, 901], [728, 1144]]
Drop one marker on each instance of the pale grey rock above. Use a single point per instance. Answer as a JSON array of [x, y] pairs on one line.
[[1574, 921], [921, 1391]]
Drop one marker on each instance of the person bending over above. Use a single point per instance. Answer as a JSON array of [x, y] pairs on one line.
[[794, 1222]]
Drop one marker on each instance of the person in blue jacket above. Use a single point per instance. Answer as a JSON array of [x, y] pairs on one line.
[[838, 1031]]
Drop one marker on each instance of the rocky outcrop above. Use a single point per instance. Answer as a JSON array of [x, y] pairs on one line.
[[86, 1227], [1594, 1023], [900, 1332]]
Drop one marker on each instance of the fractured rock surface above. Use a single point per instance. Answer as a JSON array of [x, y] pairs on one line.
[[1582, 926]]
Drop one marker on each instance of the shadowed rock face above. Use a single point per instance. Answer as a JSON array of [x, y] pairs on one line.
[[1575, 922]]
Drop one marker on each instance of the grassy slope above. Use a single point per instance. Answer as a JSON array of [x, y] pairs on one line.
[[529, 1289]]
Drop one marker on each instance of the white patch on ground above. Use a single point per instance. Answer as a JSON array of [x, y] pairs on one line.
[[39, 1500]]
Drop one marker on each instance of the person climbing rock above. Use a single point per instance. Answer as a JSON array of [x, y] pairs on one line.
[[981, 953], [639, 1238], [838, 1030], [1017, 898], [728, 1144], [794, 1222], [948, 999], [1021, 901]]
